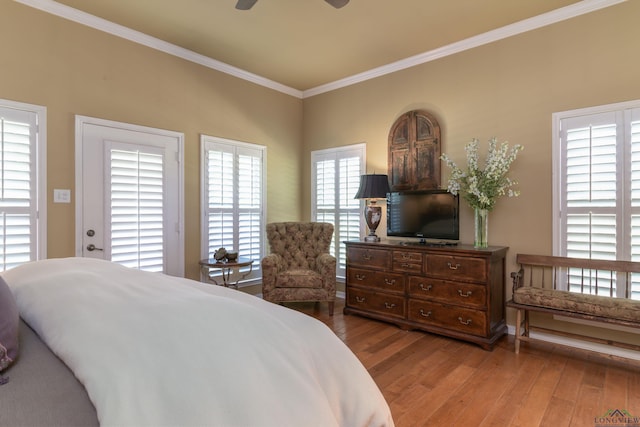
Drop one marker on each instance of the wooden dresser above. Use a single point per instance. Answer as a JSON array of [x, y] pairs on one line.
[[457, 291]]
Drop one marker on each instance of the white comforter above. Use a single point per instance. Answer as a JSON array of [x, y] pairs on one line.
[[157, 350]]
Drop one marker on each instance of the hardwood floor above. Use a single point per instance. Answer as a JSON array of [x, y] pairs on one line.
[[430, 380]]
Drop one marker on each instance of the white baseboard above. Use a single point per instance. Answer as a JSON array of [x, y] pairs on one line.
[[611, 326], [581, 344]]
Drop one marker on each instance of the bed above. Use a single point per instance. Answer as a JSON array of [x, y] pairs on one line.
[[105, 344]]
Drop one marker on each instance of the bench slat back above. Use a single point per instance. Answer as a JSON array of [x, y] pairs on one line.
[[594, 264], [589, 276]]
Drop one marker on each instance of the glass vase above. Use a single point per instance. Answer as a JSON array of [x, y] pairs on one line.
[[481, 223]]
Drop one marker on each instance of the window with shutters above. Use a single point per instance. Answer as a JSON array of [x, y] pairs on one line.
[[22, 183], [233, 183], [334, 183], [597, 191], [137, 209]]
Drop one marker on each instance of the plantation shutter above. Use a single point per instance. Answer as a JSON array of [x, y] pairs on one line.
[[600, 193], [336, 178], [350, 214], [233, 198], [220, 207], [633, 117], [326, 203], [137, 206], [18, 195], [591, 187], [249, 203]]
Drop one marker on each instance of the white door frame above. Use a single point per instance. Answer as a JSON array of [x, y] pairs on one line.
[[81, 121]]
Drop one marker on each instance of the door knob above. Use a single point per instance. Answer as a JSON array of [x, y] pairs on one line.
[[91, 247]]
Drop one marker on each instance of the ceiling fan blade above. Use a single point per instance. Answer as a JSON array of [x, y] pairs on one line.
[[245, 4], [337, 3]]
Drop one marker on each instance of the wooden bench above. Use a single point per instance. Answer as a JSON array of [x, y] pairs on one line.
[[542, 284]]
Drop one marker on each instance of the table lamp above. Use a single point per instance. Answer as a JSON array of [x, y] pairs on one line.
[[372, 187]]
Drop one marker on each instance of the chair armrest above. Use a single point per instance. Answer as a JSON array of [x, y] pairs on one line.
[[271, 265], [326, 266], [326, 261]]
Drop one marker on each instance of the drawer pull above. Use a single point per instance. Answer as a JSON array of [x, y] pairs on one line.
[[389, 306], [390, 282], [366, 257], [465, 322], [453, 267], [360, 299], [465, 295], [423, 314], [360, 276], [405, 265], [406, 256], [426, 288]]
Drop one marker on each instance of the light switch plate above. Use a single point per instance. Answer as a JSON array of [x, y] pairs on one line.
[[61, 196]]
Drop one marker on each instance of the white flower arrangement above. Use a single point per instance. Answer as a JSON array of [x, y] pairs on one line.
[[482, 187]]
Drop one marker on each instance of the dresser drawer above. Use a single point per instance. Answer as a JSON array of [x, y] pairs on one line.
[[456, 267], [371, 258], [460, 319], [407, 261], [386, 281], [456, 293], [379, 302]]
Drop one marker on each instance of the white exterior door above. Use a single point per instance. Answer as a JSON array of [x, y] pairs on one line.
[[129, 204]]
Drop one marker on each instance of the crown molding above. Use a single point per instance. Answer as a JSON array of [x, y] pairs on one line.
[[558, 15]]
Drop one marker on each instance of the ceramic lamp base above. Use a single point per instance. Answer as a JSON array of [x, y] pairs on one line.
[[372, 215]]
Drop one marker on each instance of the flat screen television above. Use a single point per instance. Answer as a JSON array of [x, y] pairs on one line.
[[430, 215]]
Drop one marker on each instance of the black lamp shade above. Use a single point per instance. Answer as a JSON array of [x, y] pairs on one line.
[[373, 187]]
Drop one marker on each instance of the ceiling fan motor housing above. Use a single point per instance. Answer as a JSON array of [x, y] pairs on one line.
[[248, 4]]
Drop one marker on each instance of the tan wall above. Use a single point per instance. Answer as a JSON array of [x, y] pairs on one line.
[[508, 89], [72, 69]]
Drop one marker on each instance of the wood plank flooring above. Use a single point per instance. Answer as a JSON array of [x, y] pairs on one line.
[[430, 380]]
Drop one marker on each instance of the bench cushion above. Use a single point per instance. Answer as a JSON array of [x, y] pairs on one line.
[[594, 305]]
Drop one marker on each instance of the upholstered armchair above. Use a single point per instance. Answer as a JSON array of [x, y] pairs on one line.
[[299, 266]]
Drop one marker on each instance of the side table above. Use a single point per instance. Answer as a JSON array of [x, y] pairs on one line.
[[206, 265]]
